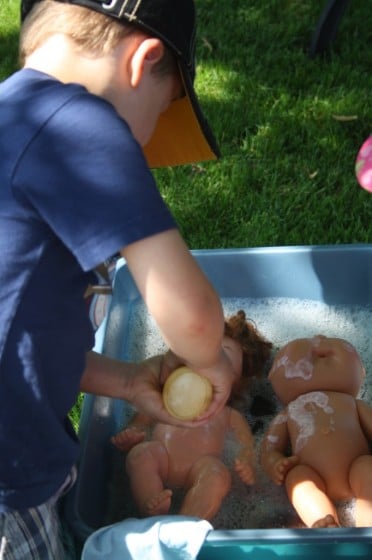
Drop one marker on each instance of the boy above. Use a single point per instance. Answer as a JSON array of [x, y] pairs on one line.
[[104, 86]]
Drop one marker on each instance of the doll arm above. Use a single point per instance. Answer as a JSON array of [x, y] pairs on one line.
[[365, 417], [273, 459], [244, 462], [133, 433]]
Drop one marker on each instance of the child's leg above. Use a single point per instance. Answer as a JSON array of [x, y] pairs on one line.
[[208, 483], [360, 478], [37, 533], [306, 491], [147, 468]]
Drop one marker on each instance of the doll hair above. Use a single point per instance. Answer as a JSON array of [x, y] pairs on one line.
[[256, 349]]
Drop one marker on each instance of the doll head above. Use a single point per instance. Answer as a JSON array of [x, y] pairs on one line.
[[316, 364], [247, 347]]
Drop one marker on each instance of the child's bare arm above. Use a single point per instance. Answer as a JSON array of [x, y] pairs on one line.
[[273, 459], [185, 306], [244, 462]]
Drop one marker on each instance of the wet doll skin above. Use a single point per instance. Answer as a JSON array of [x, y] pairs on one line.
[[190, 458], [326, 427]]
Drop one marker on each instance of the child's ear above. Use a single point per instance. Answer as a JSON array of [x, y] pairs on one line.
[[147, 54]]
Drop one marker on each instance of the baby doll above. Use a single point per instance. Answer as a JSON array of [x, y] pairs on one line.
[[327, 428], [191, 458]]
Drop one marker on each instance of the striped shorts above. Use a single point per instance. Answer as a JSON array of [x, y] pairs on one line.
[[35, 533]]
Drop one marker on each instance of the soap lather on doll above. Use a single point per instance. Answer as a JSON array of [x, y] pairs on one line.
[[327, 428], [190, 458]]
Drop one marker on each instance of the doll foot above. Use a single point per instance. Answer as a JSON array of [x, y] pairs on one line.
[[327, 521], [159, 504]]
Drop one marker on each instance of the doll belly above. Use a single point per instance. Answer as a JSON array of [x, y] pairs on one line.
[[185, 446]]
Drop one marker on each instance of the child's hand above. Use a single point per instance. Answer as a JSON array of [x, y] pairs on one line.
[[128, 438], [145, 391], [222, 376], [245, 470], [281, 467]]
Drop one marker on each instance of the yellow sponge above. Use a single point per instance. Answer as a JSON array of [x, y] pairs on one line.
[[186, 394]]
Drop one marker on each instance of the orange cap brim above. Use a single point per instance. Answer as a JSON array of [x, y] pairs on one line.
[[182, 134]]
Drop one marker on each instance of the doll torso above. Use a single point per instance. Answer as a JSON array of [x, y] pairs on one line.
[[185, 446], [326, 435]]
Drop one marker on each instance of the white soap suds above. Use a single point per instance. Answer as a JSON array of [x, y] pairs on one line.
[[302, 411], [302, 368]]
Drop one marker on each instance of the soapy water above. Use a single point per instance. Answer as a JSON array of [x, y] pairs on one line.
[[263, 505]]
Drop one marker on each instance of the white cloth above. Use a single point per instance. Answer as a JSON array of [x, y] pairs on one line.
[[160, 537]]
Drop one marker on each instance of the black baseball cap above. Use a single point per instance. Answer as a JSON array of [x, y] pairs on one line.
[[182, 134]]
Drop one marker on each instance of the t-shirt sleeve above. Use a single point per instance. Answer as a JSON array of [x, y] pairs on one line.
[[87, 178]]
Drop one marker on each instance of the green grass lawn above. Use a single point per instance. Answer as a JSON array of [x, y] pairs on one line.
[[289, 126], [289, 129]]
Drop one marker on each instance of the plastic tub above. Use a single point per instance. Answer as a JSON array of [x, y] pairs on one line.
[[335, 275]]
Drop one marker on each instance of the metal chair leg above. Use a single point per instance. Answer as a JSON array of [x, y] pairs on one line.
[[327, 26]]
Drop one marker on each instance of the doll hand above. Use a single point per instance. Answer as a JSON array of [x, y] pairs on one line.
[[245, 470], [128, 438], [281, 467]]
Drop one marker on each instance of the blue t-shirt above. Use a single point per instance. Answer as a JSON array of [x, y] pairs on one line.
[[74, 189]]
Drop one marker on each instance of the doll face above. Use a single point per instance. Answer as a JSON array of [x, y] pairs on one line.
[[234, 352], [316, 364]]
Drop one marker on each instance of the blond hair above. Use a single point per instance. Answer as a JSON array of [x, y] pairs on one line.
[[91, 31]]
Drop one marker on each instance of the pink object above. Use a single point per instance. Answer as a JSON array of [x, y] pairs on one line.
[[363, 165]]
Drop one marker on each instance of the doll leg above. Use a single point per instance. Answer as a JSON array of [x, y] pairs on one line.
[[147, 468], [360, 478], [208, 483], [306, 491]]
